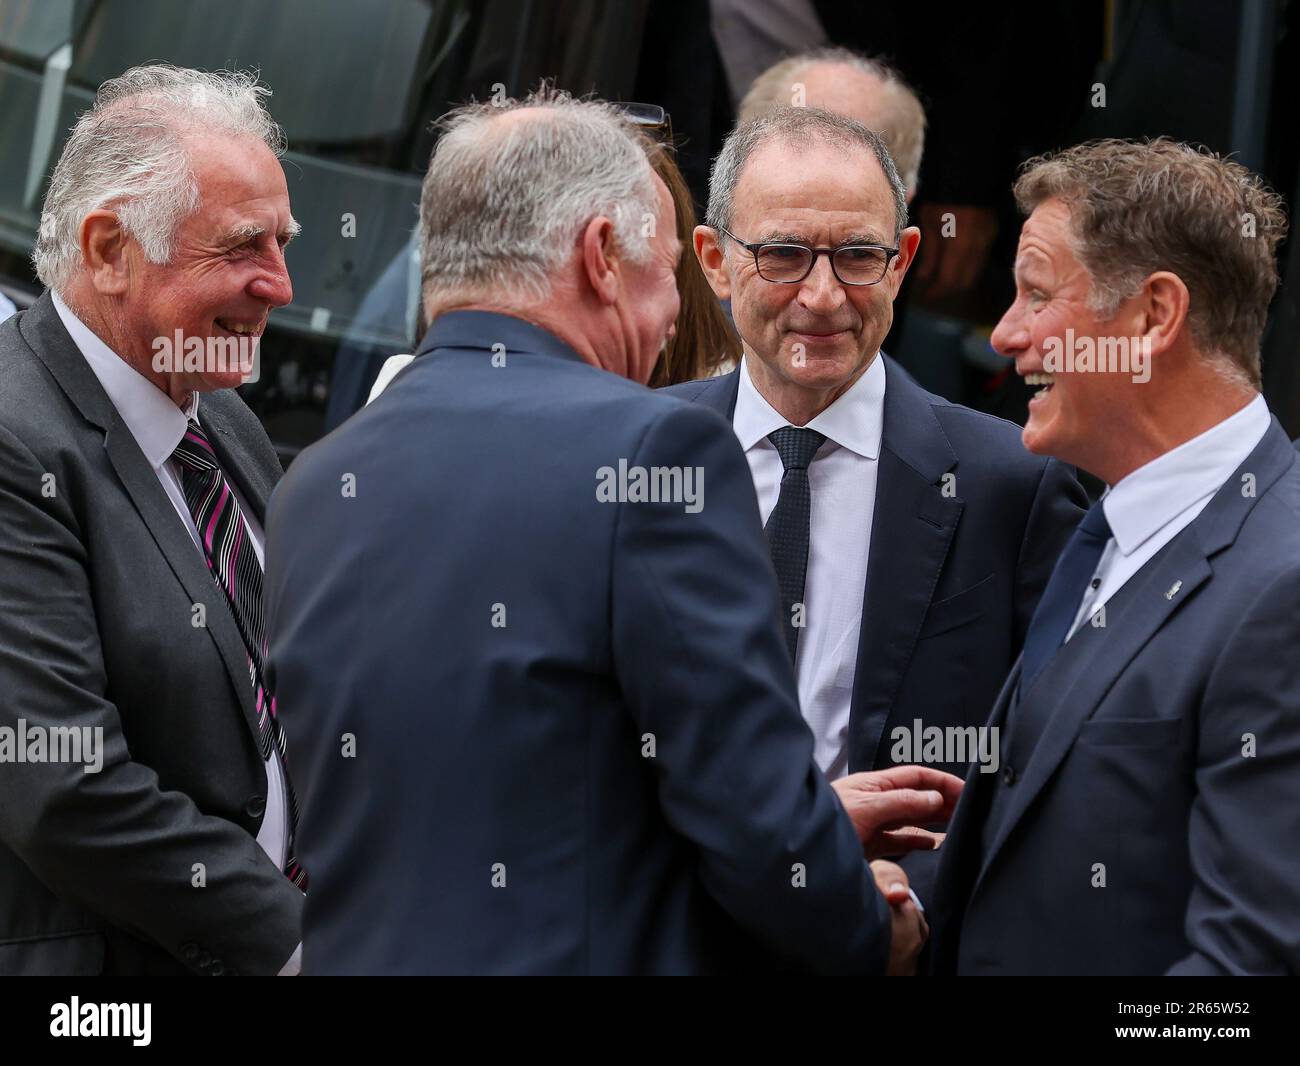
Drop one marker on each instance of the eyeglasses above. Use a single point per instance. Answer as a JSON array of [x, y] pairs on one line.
[[650, 115], [787, 263]]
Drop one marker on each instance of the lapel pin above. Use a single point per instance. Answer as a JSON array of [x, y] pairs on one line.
[[1173, 590]]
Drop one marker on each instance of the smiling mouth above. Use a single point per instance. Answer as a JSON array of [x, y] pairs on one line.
[[1044, 381], [240, 329]]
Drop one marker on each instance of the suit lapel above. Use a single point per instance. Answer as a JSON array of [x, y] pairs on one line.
[[913, 523], [720, 393], [46, 336], [959, 859], [1166, 584]]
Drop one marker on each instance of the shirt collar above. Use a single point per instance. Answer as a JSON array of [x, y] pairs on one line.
[[155, 422], [854, 421], [1141, 504]]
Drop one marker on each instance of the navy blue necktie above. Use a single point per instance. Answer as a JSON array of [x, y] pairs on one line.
[[1060, 603], [788, 524]]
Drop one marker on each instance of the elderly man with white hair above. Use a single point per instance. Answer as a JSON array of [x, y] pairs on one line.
[[524, 626], [146, 810]]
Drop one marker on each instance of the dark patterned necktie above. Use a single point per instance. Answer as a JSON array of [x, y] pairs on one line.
[[233, 563], [1060, 603], [788, 524]]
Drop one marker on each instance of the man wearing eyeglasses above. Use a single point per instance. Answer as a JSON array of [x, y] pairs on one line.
[[911, 537]]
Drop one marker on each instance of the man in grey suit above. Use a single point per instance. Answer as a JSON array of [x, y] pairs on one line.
[[542, 710], [1144, 819], [146, 812]]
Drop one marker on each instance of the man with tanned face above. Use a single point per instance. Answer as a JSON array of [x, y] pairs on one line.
[[1145, 818], [911, 537], [149, 827]]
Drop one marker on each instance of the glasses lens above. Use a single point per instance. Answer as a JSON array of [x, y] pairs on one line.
[[651, 115], [783, 262], [858, 265]]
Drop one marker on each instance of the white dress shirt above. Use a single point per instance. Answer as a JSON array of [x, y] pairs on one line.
[[842, 485], [1156, 502], [158, 426]]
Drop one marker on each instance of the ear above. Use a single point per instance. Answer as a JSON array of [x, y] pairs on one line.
[[908, 242], [599, 259], [712, 257], [103, 252], [1163, 305]]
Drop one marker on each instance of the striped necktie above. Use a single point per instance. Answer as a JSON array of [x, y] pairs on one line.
[[233, 563]]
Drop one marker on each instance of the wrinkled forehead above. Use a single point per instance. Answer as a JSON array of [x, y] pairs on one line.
[[1046, 235], [818, 184]]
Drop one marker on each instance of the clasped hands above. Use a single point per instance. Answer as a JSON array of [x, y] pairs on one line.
[[887, 808]]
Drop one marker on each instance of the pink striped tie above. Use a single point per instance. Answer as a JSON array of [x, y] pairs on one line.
[[233, 564]]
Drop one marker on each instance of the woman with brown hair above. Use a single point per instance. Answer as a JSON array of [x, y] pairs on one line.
[[705, 342]]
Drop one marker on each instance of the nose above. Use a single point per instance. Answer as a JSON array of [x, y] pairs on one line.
[[1011, 335], [821, 290], [272, 285]]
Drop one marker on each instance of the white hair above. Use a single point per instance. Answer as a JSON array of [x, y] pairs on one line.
[[507, 195], [128, 153]]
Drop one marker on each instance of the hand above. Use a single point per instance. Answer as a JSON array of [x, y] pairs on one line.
[[908, 928], [886, 806], [953, 254]]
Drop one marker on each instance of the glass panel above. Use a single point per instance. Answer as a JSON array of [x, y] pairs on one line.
[[356, 87]]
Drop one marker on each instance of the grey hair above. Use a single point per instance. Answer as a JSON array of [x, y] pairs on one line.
[[506, 199], [799, 126], [905, 134], [128, 153]]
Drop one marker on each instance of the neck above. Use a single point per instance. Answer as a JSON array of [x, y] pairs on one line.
[[568, 328], [104, 320], [797, 404], [1171, 416]]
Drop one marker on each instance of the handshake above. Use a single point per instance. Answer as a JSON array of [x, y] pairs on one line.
[[886, 807]]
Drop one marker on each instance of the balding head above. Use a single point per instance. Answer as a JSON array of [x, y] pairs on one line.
[[866, 90], [511, 186]]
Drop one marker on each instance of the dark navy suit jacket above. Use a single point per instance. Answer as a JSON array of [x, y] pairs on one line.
[[1153, 826], [578, 746]]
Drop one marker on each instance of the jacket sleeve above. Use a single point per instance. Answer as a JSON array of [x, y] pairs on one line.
[[1243, 914], [703, 667], [112, 840]]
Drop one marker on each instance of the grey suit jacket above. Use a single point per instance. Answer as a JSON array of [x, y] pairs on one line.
[[1152, 826], [150, 865]]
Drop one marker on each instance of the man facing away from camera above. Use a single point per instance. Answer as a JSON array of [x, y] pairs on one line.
[[1145, 817], [524, 623]]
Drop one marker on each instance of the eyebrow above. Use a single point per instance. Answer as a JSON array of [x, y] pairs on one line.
[[844, 242], [250, 231]]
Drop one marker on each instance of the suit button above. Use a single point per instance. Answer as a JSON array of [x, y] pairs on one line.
[[255, 807], [1009, 775], [218, 968]]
